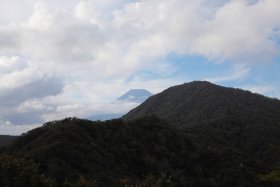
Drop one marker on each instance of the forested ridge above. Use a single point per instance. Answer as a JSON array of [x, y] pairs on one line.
[[6, 140], [209, 136], [236, 121], [199, 103], [111, 152]]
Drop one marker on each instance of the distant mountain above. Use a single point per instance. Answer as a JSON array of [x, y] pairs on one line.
[[135, 95], [132, 96], [6, 140], [103, 117]]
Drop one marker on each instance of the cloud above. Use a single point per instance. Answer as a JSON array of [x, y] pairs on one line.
[[9, 64], [125, 37], [238, 72], [21, 81], [60, 58], [86, 110], [264, 89], [7, 128], [240, 30]]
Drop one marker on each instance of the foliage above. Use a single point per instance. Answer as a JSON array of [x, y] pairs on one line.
[[6, 140], [21, 173], [273, 176], [239, 128], [82, 182], [109, 151], [212, 136]]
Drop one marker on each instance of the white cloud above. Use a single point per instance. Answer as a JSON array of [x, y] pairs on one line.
[[33, 106], [264, 89], [239, 29], [134, 31], [10, 64], [86, 110], [7, 128], [60, 58], [261, 89], [41, 19], [123, 37], [21, 80], [238, 71]]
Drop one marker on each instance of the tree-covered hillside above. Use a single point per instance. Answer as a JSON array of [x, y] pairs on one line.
[[199, 103], [143, 152], [6, 140], [113, 151], [208, 136], [220, 118]]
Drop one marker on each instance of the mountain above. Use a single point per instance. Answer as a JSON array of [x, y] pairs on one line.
[[132, 96], [233, 121], [113, 152], [104, 117], [135, 95], [6, 140], [196, 134], [200, 102]]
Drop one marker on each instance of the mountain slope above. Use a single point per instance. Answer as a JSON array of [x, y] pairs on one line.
[[200, 102], [222, 118], [6, 140], [111, 151], [214, 136], [143, 152]]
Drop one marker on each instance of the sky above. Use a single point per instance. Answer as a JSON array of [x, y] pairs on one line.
[[63, 58]]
